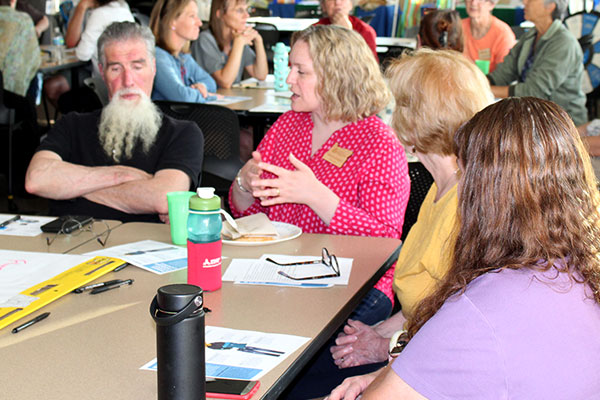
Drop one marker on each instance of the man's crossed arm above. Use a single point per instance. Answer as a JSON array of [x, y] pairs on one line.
[[126, 189]]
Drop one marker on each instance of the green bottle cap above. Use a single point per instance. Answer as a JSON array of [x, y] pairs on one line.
[[205, 200]]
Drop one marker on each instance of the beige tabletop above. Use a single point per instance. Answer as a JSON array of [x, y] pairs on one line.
[[259, 97], [93, 346], [61, 243]]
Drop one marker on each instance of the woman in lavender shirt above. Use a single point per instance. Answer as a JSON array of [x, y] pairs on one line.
[[518, 314]]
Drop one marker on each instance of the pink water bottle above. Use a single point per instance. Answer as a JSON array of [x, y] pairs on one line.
[[204, 240]]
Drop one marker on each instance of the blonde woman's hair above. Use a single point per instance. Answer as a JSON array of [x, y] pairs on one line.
[[163, 14], [350, 83], [435, 92]]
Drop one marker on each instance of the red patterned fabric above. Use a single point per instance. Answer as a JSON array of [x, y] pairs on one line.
[[373, 184]]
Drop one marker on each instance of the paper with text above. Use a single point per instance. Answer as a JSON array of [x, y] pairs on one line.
[[239, 354]]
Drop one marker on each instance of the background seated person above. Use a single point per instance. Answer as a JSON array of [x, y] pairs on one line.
[[547, 62], [441, 30], [19, 49], [331, 165], [102, 14], [40, 21], [119, 162], [19, 61], [337, 12], [525, 273], [456, 95], [486, 37], [178, 77], [224, 49]]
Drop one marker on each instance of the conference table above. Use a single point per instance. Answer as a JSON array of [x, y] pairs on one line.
[[61, 243], [94, 346], [285, 24], [59, 58]]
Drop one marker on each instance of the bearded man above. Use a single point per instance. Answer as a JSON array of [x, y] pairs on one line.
[[119, 162]]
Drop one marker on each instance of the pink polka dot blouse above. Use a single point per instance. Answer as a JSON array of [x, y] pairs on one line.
[[372, 184]]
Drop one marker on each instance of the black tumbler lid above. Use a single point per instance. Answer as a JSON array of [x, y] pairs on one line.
[[175, 297]]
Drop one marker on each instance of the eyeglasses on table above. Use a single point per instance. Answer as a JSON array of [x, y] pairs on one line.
[[326, 259], [73, 227]]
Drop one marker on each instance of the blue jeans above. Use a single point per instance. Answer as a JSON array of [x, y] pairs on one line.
[[321, 375]]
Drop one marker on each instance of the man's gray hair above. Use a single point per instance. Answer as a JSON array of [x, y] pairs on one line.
[[121, 31], [560, 10]]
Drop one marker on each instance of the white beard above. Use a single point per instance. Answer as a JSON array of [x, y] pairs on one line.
[[125, 122]]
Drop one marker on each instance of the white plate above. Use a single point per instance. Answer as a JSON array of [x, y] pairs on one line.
[[285, 231]]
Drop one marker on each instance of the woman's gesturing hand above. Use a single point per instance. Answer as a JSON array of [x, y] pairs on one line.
[[296, 186], [250, 172], [299, 186]]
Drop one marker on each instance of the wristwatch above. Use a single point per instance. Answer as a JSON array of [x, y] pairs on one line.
[[238, 180], [398, 342]]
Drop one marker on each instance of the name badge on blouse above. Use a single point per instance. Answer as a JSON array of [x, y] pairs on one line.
[[484, 54], [337, 155]]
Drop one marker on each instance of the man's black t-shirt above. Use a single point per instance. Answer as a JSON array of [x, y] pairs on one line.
[[178, 145]]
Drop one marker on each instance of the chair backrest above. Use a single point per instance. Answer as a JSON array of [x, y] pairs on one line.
[[367, 18], [270, 36], [420, 182], [260, 12], [7, 115], [99, 87], [221, 130], [141, 19]]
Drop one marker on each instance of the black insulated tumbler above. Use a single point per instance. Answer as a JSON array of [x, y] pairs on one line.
[[177, 311]]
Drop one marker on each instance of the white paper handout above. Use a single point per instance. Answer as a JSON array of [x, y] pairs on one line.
[[150, 255], [239, 354], [25, 225], [20, 270], [262, 272], [222, 101], [268, 83]]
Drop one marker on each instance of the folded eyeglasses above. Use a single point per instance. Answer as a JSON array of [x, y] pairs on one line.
[[326, 259]]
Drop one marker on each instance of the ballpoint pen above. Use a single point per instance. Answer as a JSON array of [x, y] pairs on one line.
[[31, 322], [10, 221], [120, 267], [97, 285], [114, 286]]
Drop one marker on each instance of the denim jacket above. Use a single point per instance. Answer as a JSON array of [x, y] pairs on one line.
[[169, 84]]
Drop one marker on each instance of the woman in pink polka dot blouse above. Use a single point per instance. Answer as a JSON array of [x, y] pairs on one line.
[[330, 165]]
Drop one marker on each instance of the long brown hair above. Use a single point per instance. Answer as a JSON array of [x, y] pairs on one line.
[[527, 194]]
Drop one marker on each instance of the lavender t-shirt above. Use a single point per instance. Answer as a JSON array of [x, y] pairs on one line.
[[511, 335]]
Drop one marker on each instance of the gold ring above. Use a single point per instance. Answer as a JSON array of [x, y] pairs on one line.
[[277, 195]]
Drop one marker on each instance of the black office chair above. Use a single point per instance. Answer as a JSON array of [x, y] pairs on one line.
[[367, 18], [420, 182], [260, 12], [7, 122], [221, 130], [140, 18], [270, 36]]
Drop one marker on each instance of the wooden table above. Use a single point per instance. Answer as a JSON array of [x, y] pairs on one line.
[[68, 60], [285, 24], [61, 243], [93, 346]]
